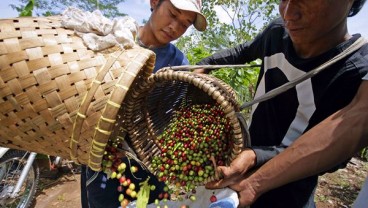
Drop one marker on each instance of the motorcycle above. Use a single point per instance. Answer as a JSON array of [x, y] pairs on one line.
[[19, 176]]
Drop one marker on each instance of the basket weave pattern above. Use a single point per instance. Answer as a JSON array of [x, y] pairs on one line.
[[52, 86]]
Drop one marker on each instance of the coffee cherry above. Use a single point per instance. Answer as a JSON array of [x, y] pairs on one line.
[[134, 169], [122, 179], [192, 198], [121, 197], [124, 203], [120, 189], [121, 167], [113, 175], [213, 198], [132, 186], [133, 194]]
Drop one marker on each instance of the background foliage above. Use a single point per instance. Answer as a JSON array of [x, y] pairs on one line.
[[246, 19]]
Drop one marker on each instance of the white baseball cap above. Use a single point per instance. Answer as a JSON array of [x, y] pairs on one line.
[[200, 22]]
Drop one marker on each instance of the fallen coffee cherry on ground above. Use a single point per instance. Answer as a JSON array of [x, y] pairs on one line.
[[213, 198]]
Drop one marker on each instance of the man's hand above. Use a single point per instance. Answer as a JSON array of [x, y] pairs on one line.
[[247, 191], [235, 177], [231, 175]]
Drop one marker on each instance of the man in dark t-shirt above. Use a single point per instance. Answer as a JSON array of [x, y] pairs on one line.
[[307, 34]]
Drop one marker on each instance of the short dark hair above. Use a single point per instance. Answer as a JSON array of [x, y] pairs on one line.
[[357, 5]]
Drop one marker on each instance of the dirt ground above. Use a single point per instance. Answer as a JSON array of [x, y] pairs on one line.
[[61, 193], [338, 189], [59, 188]]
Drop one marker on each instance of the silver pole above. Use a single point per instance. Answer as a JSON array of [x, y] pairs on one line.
[[24, 173]]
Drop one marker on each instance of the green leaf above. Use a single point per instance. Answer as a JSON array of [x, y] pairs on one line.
[[28, 9], [143, 194]]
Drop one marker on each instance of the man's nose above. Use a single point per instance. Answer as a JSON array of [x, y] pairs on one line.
[[174, 27], [291, 11]]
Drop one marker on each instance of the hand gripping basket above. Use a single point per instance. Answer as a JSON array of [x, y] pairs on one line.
[[149, 107], [56, 96]]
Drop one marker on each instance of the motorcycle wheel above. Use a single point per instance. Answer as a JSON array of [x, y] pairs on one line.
[[11, 166]]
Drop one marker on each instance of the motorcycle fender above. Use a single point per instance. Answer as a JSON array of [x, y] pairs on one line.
[[3, 150]]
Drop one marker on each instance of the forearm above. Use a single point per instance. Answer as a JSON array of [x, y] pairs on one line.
[[327, 144], [240, 54]]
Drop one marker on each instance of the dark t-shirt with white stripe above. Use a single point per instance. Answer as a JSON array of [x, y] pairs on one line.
[[277, 122]]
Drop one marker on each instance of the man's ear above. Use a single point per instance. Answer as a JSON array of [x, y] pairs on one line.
[[154, 3]]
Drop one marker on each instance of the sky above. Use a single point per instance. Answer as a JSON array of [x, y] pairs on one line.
[[140, 10]]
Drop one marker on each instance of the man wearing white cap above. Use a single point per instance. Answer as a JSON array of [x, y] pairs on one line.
[[168, 21]]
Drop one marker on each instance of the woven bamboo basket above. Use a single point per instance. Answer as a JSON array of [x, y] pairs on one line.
[[149, 108], [57, 96]]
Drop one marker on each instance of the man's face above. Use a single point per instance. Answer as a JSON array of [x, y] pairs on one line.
[[169, 23], [308, 21]]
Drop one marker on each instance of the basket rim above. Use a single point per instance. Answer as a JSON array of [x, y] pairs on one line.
[[207, 84], [87, 99], [142, 61]]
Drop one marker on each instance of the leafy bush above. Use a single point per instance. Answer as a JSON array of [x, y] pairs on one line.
[[242, 80]]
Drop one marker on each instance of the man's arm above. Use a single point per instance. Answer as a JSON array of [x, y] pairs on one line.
[[331, 142]]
